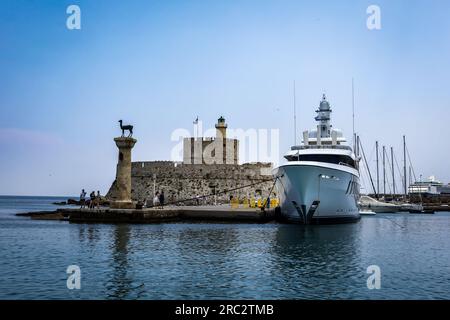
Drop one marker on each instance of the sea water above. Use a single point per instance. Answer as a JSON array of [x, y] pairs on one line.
[[222, 261]]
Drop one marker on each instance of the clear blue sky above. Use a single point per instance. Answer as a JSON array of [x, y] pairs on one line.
[[159, 64]]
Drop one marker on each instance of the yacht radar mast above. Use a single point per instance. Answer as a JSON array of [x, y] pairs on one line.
[[323, 117]]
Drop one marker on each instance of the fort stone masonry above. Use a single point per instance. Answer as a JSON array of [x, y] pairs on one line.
[[210, 167], [218, 150]]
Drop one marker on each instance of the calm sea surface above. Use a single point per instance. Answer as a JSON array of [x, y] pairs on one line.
[[223, 261]]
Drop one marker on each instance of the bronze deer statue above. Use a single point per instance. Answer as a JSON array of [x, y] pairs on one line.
[[126, 127]]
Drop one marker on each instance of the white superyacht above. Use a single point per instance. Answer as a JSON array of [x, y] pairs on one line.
[[319, 183]]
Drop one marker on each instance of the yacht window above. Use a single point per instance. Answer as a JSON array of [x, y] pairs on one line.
[[329, 158]]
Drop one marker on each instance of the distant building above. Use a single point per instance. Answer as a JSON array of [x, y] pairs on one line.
[[205, 150], [429, 187]]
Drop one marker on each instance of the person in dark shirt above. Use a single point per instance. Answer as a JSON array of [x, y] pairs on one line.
[[161, 198], [92, 200]]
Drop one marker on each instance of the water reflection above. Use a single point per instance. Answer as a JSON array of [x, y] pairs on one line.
[[312, 261], [274, 261], [89, 233], [227, 261], [120, 283], [206, 254]]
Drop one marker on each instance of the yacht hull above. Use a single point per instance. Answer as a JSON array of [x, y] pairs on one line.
[[317, 193]]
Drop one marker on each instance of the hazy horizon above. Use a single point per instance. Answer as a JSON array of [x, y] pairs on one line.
[[159, 65]]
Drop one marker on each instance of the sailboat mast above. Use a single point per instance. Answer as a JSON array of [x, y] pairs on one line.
[[353, 113], [357, 145], [404, 166], [378, 171], [295, 118], [384, 171], [393, 175], [410, 176], [367, 165]]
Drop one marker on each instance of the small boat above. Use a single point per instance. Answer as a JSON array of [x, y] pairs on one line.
[[367, 212], [368, 203], [411, 207]]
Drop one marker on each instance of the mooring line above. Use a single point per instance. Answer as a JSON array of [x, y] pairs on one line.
[[403, 227], [215, 194], [270, 192]]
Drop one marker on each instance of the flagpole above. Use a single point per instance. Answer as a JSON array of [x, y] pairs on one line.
[[196, 128]]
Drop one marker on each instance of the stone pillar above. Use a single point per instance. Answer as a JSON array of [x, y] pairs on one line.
[[123, 174]]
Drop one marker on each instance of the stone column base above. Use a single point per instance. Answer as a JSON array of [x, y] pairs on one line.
[[122, 204]]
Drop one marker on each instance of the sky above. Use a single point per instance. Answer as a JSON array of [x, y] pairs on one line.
[[160, 64]]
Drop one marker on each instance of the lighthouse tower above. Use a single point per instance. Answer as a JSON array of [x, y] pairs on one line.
[[221, 128], [209, 150]]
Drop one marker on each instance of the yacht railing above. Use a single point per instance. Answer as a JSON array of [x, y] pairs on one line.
[[341, 147]]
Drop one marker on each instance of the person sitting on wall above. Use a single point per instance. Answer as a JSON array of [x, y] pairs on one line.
[[140, 204], [148, 201]]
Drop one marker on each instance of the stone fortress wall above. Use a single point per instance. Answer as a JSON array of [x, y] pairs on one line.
[[189, 179], [180, 181]]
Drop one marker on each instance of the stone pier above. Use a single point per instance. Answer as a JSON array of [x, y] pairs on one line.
[[123, 174]]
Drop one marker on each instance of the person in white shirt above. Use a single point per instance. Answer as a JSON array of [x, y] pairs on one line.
[[83, 199], [156, 199]]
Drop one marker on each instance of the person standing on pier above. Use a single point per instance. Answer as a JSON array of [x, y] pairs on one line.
[[97, 199], [92, 200], [156, 199], [82, 199]]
